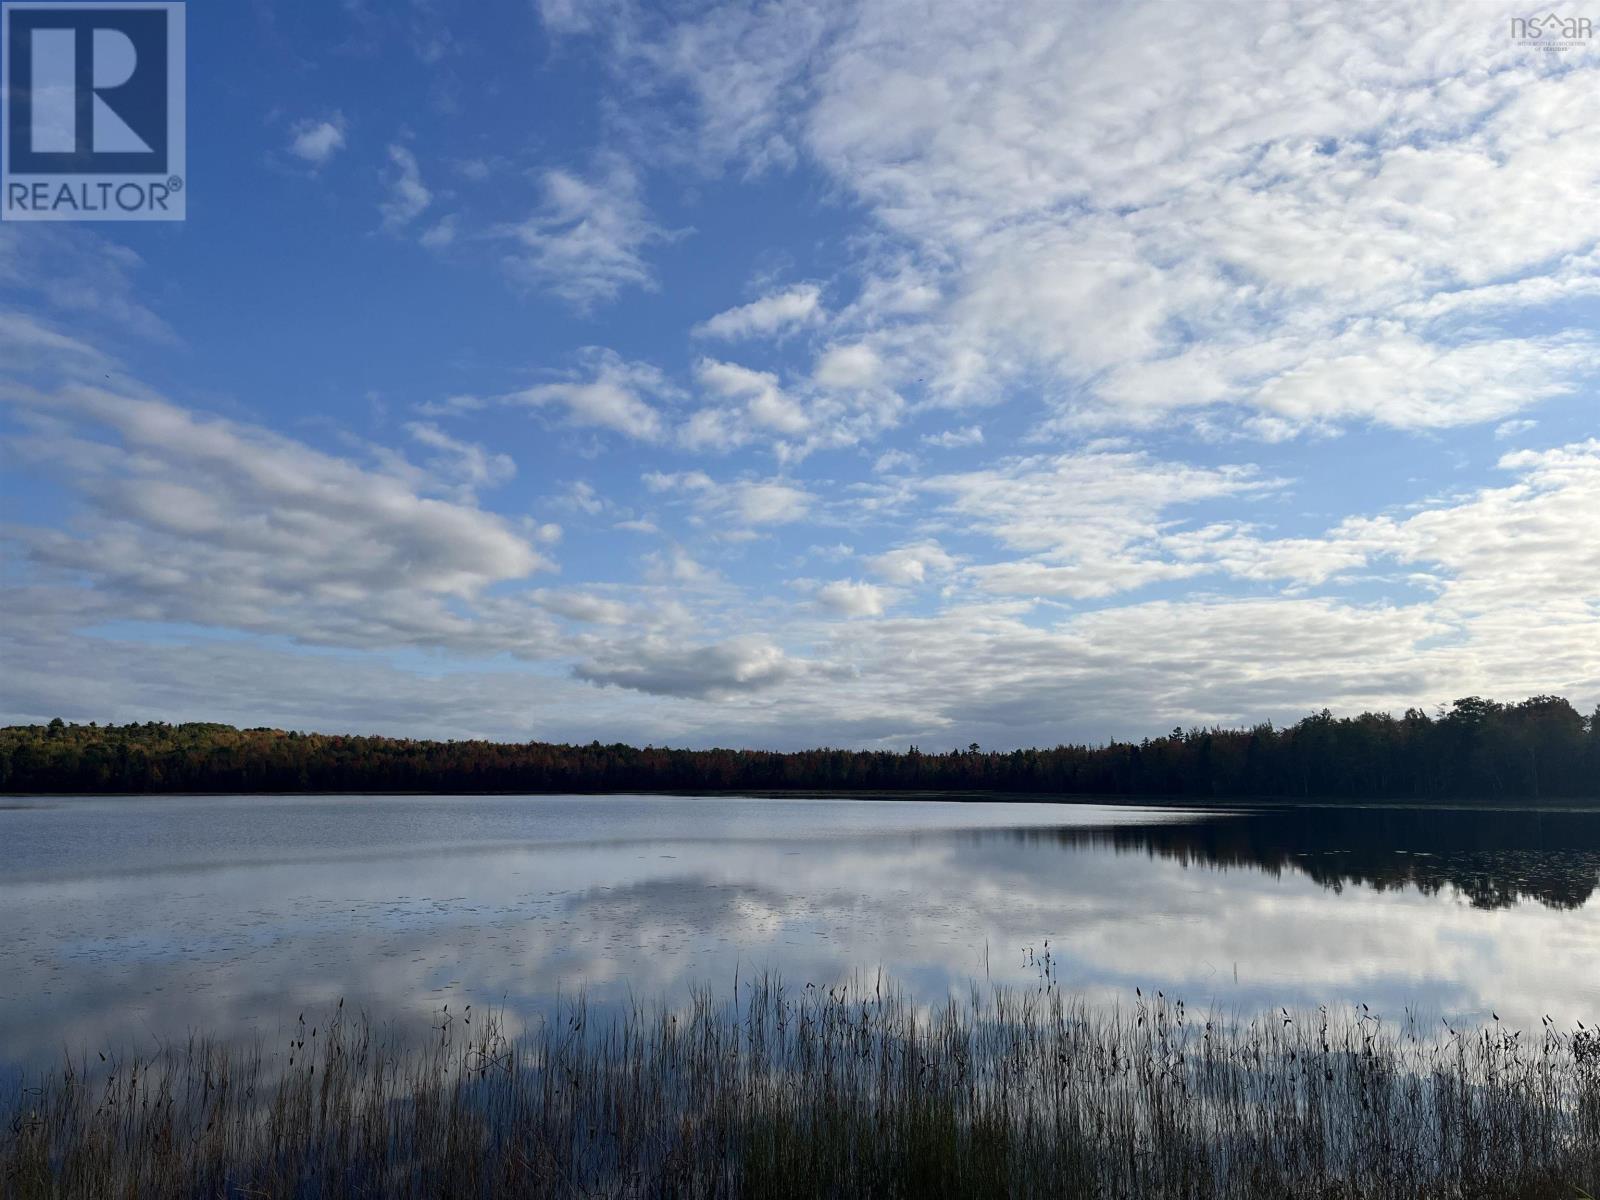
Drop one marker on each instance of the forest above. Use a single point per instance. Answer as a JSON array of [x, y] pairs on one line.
[[1477, 749]]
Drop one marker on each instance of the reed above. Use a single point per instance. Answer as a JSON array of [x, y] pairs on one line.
[[849, 1090]]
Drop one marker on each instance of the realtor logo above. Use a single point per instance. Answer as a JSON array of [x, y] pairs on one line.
[[93, 112]]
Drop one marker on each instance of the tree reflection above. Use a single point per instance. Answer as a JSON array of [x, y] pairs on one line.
[[1493, 859]]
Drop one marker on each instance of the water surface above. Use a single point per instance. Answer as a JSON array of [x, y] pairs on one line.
[[127, 920]]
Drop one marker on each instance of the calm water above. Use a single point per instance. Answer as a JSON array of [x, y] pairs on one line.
[[123, 920]]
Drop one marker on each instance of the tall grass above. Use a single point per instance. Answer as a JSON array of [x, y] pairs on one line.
[[851, 1090]]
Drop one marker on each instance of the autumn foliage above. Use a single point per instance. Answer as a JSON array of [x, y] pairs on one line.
[[1478, 749]]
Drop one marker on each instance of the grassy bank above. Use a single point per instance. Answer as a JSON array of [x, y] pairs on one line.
[[852, 1091]]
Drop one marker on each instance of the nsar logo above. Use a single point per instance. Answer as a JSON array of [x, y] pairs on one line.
[[1552, 31], [93, 112]]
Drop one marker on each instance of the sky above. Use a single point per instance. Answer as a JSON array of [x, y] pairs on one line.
[[820, 374]]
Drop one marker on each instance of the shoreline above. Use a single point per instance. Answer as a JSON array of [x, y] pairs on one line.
[[1182, 803]]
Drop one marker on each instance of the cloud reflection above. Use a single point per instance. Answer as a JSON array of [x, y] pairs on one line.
[[220, 917]]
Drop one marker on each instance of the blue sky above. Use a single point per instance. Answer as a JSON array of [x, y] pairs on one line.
[[852, 374]]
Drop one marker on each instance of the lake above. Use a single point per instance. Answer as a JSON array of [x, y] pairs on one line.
[[129, 919]]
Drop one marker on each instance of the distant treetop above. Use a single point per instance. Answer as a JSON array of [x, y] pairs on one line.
[[1478, 749]]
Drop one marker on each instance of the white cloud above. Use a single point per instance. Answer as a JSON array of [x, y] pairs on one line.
[[316, 142], [765, 410], [583, 497], [798, 421], [583, 606], [473, 464], [408, 198], [722, 670], [1399, 380], [800, 305], [1512, 579], [743, 502], [852, 598], [1525, 551], [1093, 521], [1521, 551], [607, 393], [678, 566], [23, 337], [452, 406], [1290, 228], [714, 429], [955, 439], [764, 502], [575, 16], [442, 233], [848, 367], [196, 519], [911, 564], [661, 481], [78, 274], [1511, 429], [116, 679], [585, 243]]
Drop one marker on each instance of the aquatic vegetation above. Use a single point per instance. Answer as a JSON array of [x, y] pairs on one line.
[[847, 1090]]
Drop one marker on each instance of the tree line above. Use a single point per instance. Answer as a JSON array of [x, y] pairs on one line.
[[1477, 749]]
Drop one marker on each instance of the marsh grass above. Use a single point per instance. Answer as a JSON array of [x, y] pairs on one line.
[[850, 1090]]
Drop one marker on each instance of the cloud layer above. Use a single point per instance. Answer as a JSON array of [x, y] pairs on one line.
[[860, 373]]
